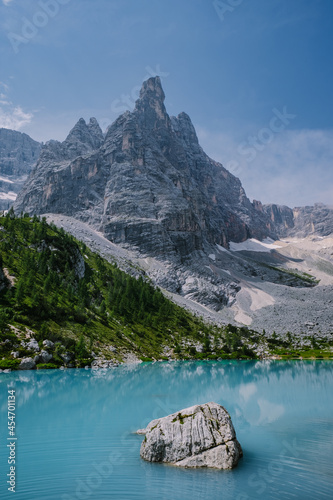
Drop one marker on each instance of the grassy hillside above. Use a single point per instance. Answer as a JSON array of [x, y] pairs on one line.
[[55, 288]]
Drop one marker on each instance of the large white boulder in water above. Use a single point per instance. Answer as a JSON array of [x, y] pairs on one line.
[[199, 436]]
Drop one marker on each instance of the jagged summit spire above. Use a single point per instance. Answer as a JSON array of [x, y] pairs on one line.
[[90, 135], [148, 183], [152, 88], [95, 130], [150, 104], [78, 131]]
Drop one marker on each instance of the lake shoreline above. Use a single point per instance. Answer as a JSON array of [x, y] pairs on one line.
[[121, 364]]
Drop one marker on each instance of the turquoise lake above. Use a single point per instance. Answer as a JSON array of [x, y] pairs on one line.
[[75, 431]]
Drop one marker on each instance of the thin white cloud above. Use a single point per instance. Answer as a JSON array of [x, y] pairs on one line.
[[294, 168], [12, 116], [6, 2]]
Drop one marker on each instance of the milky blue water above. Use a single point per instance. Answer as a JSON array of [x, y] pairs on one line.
[[75, 431]]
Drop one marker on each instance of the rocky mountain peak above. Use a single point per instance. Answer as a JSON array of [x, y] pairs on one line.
[[184, 129], [152, 90], [89, 135], [149, 187], [150, 106], [83, 138], [79, 133], [18, 152], [147, 184], [95, 130]]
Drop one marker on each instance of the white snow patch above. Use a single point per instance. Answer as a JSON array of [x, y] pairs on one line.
[[254, 245], [212, 256], [226, 271], [222, 249]]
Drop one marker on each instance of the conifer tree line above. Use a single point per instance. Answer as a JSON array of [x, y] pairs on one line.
[[63, 291]]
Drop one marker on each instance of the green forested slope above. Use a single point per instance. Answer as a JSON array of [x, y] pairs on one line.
[[56, 288]]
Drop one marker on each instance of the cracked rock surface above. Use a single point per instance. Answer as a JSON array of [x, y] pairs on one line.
[[198, 436]]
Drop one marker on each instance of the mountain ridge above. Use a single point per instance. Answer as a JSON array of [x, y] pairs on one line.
[[148, 186], [123, 142], [149, 163], [301, 221]]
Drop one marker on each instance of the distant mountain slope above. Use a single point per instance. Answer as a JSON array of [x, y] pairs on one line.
[[301, 221], [18, 154]]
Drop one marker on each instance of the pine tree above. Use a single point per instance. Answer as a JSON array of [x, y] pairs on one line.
[[3, 321], [20, 292]]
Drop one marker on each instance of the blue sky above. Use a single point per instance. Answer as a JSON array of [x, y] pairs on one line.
[[232, 65]]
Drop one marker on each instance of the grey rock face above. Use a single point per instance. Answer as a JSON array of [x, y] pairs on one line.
[[18, 154], [66, 357], [46, 356], [199, 436], [313, 220], [33, 345], [301, 221], [147, 184], [27, 364], [100, 363], [48, 344], [281, 216]]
